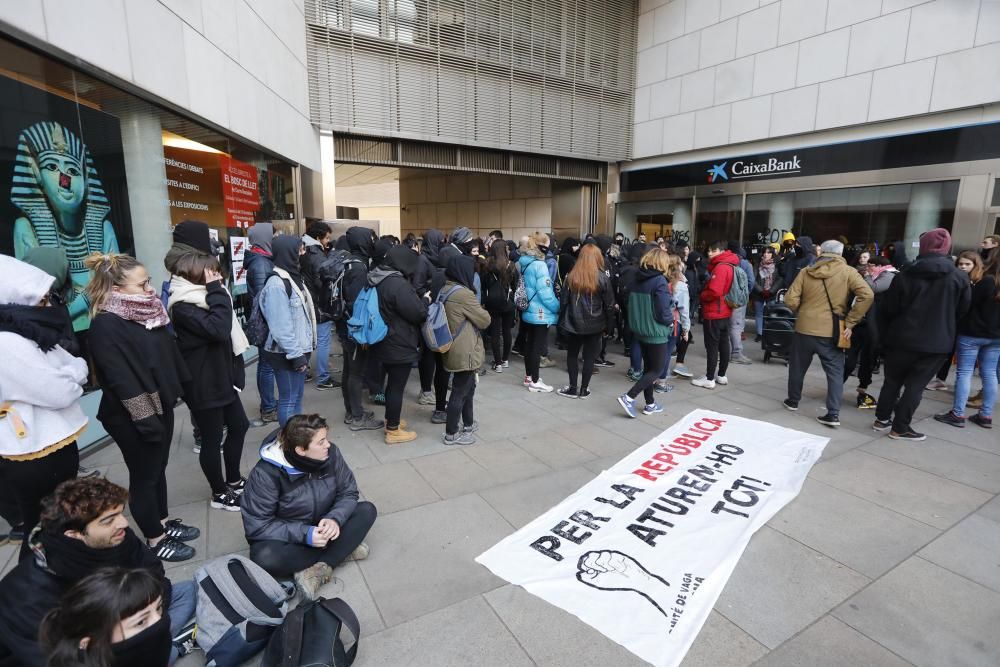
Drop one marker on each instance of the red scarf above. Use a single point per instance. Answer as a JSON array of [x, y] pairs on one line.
[[146, 309]]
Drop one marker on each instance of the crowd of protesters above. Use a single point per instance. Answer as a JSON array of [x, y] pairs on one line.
[[87, 590]]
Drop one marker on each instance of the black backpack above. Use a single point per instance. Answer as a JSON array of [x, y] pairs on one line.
[[496, 297], [256, 327], [310, 635], [331, 276]]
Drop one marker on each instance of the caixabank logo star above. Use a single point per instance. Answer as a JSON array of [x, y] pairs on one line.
[[718, 171]]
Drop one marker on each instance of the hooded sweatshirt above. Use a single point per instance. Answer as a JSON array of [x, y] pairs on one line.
[[258, 262], [39, 391], [402, 310], [650, 312], [287, 307], [713, 294], [807, 297], [465, 315], [922, 307], [803, 256], [285, 504]]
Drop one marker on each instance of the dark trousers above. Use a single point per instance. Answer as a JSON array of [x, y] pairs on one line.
[[861, 355], [397, 375], [463, 389], [942, 373], [352, 377], [425, 366], [654, 358], [832, 357], [210, 422], [284, 559], [147, 471], [716, 346], [535, 337], [682, 348], [590, 345], [375, 376], [434, 377], [498, 334], [908, 372], [30, 481]]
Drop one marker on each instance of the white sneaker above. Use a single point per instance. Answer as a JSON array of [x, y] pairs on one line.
[[704, 383], [721, 379], [539, 387], [681, 370]]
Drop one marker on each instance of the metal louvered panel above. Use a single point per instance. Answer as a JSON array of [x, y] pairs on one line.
[[553, 77]]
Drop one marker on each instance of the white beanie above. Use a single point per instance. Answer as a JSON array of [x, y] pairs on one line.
[[22, 284]]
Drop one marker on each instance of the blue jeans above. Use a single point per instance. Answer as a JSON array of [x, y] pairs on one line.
[[635, 355], [324, 332], [758, 314], [987, 351], [265, 384], [671, 346], [291, 385], [183, 599]]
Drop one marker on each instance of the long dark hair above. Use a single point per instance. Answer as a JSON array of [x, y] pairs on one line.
[[93, 608], [499, 263]]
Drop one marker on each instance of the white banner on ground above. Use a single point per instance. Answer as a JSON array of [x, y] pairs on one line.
[[643, 551]]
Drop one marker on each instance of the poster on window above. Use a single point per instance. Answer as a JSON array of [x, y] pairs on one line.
[[63, 193], [642, 552]]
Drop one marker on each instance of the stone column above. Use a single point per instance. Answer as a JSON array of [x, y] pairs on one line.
[[782, 214], [922, 214]]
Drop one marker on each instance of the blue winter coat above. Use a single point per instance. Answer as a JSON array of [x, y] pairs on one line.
[[543, 305]]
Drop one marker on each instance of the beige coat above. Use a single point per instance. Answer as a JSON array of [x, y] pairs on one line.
[[807, 298], [467, 352]]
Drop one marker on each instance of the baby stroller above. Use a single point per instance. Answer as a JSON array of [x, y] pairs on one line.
[[779, 329]]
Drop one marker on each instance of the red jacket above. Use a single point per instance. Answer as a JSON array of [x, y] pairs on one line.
[[713, 301]]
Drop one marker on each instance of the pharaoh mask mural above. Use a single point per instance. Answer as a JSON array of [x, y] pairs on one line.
[[62, 204]]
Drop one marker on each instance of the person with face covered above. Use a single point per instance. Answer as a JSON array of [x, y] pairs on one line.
[[291, 320], [360, 243], [465, 318], [142, 374], [433, 377], [403, 311], [802, 255], [83, 529]]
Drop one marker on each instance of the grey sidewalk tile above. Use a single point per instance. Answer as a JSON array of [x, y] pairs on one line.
[[970, 436], [356, 451], [860, 534], [522, 502], [795, 584], [635, 431], [505, 461], [720, 643], [919, 495], [195, 514], [463, 634], [394, 486], [603, 440], [971, 549], [991, 510], [225, 533], [597, 466], [453, 473], [760, 401], [546, 632], [428, 442], [831, 643], [422, 559], [355, 593], [553, 449], [928, 616], [972, 467]]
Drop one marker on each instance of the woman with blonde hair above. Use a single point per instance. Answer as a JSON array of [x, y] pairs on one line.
[[141, 371], [677, 283], [542, 310], [587, 312], [651, 320]]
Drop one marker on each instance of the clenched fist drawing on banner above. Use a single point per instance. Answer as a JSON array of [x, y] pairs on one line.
[[615, 571]]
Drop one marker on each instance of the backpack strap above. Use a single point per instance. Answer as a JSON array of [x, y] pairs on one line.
[[349, 619]]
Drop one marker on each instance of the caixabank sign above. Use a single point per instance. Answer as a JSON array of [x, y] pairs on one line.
[[959, 144]]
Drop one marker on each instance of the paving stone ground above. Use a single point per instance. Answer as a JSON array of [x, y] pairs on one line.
[[889, 556]]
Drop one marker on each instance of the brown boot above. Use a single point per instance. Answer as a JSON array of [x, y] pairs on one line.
[[399, 436]]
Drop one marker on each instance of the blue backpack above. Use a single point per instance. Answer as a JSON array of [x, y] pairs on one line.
[[437, 335], [366, 326]]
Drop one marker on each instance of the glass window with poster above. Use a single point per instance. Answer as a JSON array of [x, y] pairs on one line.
[[88, 167]]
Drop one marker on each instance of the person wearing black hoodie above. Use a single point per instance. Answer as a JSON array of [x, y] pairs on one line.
[[403, 311], [433, 377], [918, 318], [604, 243], [803, 255], [258, 265], [360, 242]]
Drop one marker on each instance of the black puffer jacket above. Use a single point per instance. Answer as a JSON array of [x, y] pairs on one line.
[[309, 264], [922, 307], [283, 503], [34, 586], [587, 314], [983, 320], [401, 308], [204, 339], [258, 267]]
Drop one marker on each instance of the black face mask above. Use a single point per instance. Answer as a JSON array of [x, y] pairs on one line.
[[149, 648], [544, 249]]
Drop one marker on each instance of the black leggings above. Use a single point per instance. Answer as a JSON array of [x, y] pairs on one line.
[[682, 348], [210, 422], [590, 344], [30, 481], [463, 389], [397, 375], [147, 465], [861, 355], [352, 377], [535, 336], [499, 335], [654, 358], [375, 376], [717, 347], [284, 559]]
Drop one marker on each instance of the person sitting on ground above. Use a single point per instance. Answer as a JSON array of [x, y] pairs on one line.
[[466, 354], [301, 512], [821, 296], [113, 617], [82, 529]]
